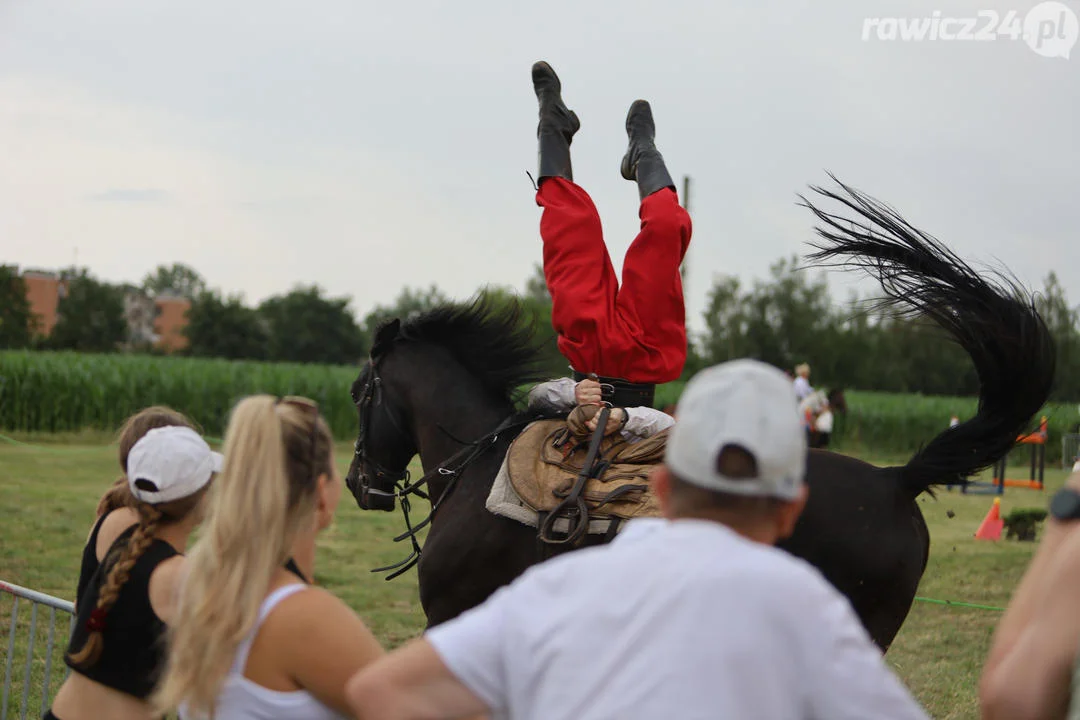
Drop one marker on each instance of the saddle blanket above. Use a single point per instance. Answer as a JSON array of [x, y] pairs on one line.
[[544, 461], [504, 501]]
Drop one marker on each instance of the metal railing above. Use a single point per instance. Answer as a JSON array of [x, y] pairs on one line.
[[35, 600], [1070, 448]]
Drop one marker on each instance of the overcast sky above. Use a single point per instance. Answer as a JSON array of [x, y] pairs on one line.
[[369, 146]]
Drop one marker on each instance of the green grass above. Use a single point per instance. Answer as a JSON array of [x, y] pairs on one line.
[[48, 492], [47, 497]]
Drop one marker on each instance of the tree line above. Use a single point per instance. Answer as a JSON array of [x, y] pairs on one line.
[[791, 318], [785, 319]]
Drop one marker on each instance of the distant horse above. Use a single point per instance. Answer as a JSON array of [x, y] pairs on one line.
[[444, 385]]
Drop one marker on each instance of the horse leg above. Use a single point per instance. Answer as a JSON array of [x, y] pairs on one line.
[[867, 537], [468, 554], [896, 594]]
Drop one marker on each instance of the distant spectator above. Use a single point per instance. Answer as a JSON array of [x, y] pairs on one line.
[[691, 616], [817, 418], [802, 382], [1033, 668], [252, 638], [131, 567]]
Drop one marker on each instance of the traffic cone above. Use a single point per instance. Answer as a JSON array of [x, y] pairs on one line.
[[991, 526]]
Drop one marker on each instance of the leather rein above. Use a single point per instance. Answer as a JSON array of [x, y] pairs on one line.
[[451, 468]]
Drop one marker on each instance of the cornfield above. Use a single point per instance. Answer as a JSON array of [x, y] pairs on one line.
[[62, 392], [65, 392], [897, 425]]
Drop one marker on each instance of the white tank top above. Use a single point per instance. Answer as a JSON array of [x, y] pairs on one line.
[[244, 699]]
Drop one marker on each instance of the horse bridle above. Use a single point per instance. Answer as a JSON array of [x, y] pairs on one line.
[[372, 398], [375, 498]]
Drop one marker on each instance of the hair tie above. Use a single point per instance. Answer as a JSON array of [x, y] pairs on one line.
[[96, 621]]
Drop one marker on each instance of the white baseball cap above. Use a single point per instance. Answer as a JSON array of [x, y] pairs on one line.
[[170, 463], [745, 403]]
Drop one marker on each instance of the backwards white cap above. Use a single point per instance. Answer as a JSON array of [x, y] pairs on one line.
[[170, 463], [748, 404]]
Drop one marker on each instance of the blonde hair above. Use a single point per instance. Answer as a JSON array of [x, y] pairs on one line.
[[157, 416], [266, 492]]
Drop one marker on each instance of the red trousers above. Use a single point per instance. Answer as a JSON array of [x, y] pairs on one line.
[[636, 332]]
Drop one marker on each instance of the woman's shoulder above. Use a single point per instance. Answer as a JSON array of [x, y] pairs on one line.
[[164, 586], [308, 604], [114, 524], [316, 639], [309, 612], [118, 520]]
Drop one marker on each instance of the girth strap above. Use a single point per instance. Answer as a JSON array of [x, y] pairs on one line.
[[573, 506]]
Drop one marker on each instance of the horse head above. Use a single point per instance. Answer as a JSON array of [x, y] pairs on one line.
[[837, 401], [433, 384], [384, 445]]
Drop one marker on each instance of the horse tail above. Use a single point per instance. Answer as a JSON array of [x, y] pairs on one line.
[[996, 323]]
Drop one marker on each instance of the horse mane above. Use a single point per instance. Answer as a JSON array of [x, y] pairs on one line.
[[493, 339]]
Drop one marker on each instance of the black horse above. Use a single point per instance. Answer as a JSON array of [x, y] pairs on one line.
[[444, 385]]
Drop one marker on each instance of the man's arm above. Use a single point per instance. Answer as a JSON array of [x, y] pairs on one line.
[[456, 670], [1029, 668], [412, 682], [645, 421], [555, 395], [1037, 582]]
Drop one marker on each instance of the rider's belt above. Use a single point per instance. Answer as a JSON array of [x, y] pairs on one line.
[[622, 393]]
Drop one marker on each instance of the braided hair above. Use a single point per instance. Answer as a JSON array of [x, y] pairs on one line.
[[149, 519], [121, 562]]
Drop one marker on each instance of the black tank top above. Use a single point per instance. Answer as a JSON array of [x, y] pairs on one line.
[[134, 650], [130, 662], [89, 559]]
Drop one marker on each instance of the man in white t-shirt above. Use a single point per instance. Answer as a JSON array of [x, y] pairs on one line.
[[696, 615]]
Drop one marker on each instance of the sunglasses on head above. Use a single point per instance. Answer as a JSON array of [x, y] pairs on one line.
[[311, 407]]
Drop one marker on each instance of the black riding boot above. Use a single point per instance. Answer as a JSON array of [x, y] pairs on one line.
[[557, 124], [643, 162]]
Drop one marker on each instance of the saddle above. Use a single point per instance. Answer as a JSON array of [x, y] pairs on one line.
[[545, 465]]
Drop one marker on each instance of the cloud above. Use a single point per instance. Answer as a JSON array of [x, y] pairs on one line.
[[130, 195], [368, 152]]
